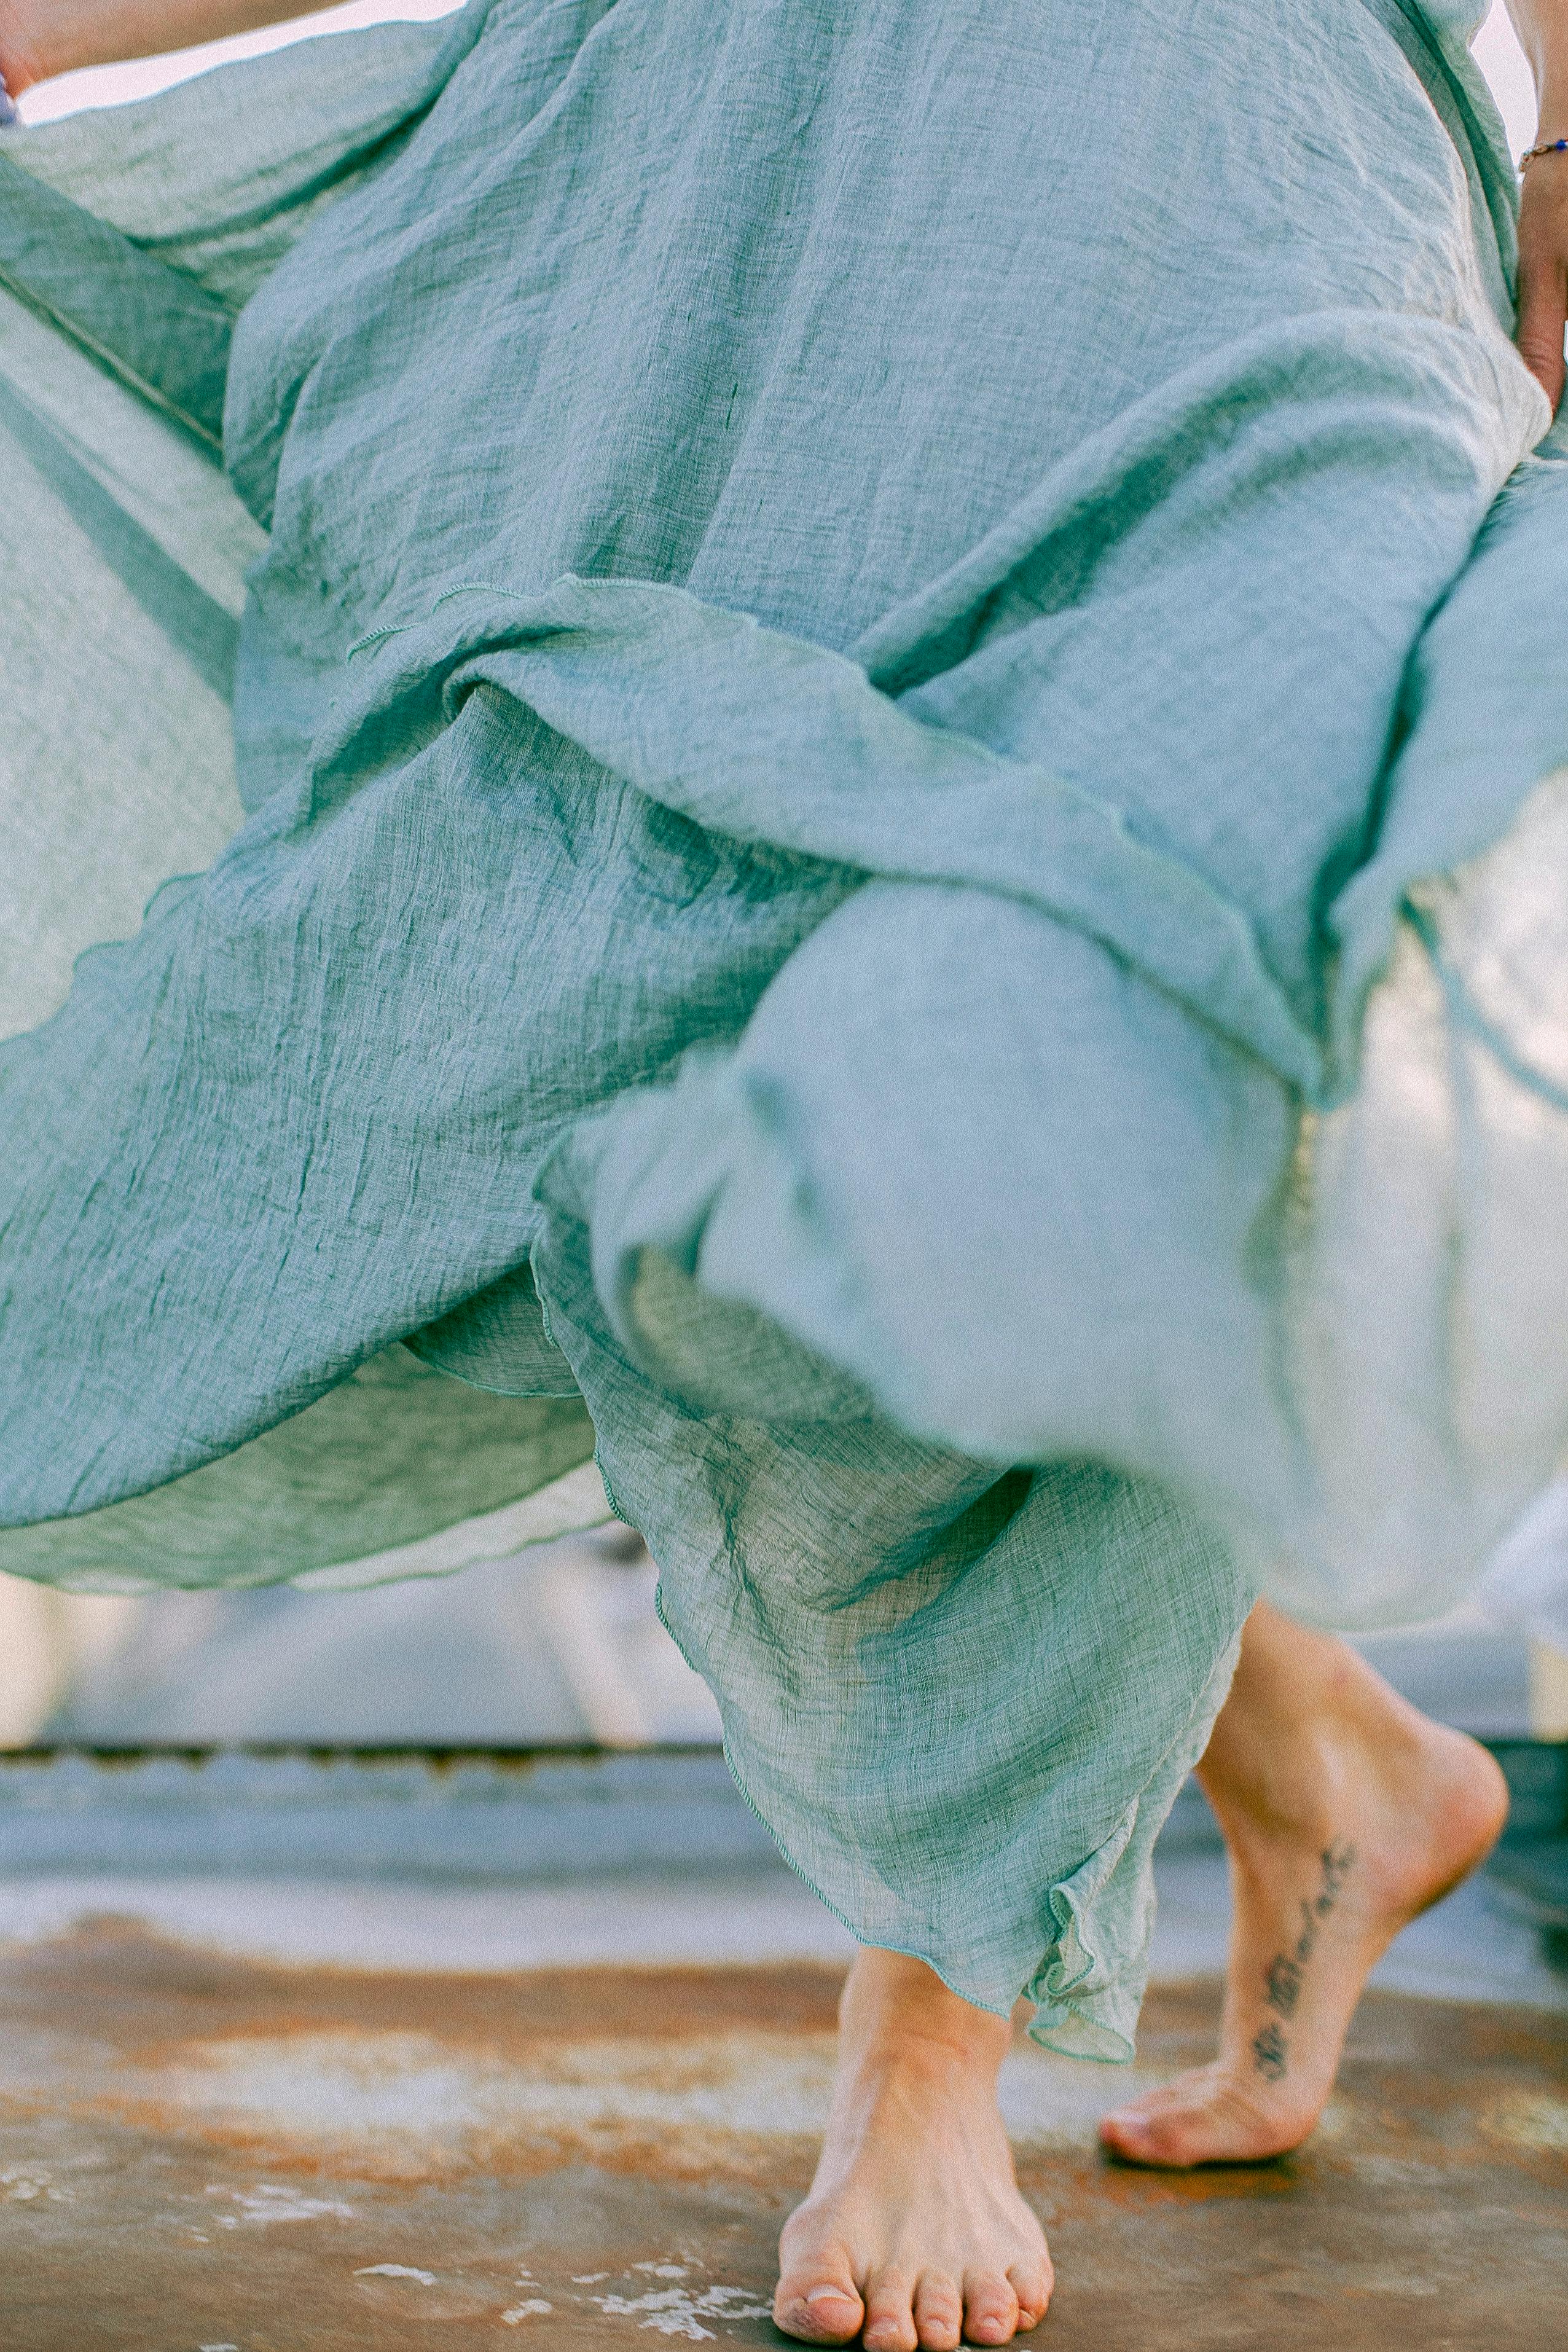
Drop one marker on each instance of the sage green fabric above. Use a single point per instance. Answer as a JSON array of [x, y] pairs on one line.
[[900, 685], [122, 555]]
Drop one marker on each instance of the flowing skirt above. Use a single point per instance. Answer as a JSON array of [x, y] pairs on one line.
[[886, 883]]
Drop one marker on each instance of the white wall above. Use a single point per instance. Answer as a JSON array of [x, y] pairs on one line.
[[1501, 59]]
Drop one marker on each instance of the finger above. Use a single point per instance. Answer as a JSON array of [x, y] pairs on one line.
[[1542, 311]]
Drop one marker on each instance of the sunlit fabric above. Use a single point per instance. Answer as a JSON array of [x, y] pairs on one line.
[[898, 670]]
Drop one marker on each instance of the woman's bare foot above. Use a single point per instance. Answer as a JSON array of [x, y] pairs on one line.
[[1345, 1813], [914, 2233]]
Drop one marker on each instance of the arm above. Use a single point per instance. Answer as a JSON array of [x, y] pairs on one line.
[[42, 37], [1542, 29]]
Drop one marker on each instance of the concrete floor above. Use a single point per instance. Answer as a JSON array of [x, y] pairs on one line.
[[244, 2113], [267, 2115], [201, 2151]]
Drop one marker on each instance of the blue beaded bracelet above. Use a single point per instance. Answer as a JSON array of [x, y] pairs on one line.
[[1547, 147]]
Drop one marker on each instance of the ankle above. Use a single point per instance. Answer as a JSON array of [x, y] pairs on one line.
[[1294, 1752], [925, 2061], [1284, 1788], [899, 2016]]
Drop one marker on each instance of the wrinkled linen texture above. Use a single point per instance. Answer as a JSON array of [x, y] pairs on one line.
[[890, 859]]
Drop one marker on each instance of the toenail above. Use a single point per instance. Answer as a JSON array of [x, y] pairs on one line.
[[830, 2294]]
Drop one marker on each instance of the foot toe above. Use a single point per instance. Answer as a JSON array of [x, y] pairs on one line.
[[1175, 2136], [819, 2311], [1032, 2282], [890, 2317], [1133, 2129], [990, 2309], [1226, 2126], [938, 2313], [1126, 2133]]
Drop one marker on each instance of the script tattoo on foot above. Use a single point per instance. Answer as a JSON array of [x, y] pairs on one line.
[[1283, 1977]]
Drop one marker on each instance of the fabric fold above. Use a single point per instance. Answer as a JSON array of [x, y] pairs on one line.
[[885, 875], [775, 741], [146, 324]]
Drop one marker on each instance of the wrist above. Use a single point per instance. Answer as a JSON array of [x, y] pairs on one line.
[[1551, 125]]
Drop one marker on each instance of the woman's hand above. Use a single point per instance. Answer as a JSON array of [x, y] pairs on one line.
[[19, 68], [40, 37], [1544, 268], [1542, 29]]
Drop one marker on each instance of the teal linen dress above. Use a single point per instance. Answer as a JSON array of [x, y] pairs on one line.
[[890, 860]]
